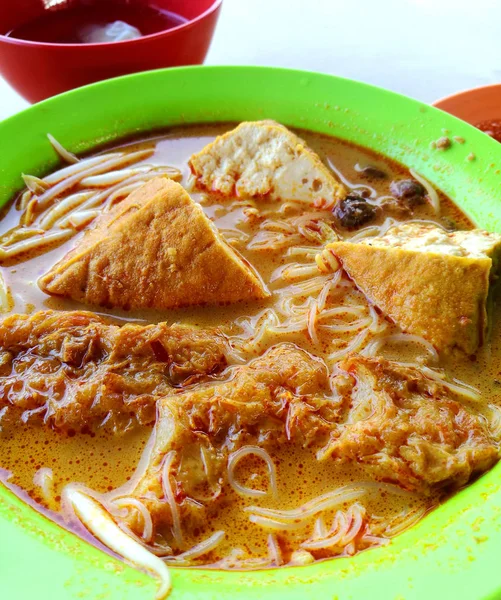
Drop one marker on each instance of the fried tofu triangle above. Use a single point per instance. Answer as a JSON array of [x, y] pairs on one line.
[[431, 282], [75, 371], [264, 158], [156, 249]]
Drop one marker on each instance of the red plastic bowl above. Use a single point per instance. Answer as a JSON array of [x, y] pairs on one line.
[[40, 70]]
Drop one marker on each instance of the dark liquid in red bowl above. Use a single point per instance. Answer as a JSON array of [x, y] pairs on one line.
[[69, 22]]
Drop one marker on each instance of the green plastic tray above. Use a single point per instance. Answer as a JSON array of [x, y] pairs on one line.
[[455, 551]]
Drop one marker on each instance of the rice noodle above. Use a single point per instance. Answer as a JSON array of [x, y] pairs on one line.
[[354, 311], [34, 184], [290, 327], [198, 550], [401, 523], [235, 458], [97, 520], [78, 219], [267, 241], [371, 231], [327, 262], [267, 320], [117, 190], [295, 271], [143, 511], [374, 540], [379, 324], [390, 488], [69, 182], [19, 234], [306, 288], [321, 233], [322, 297], [346, 328], [292, 306], [63, 207], [171, 501], [44, 479], [345, 528], [312, 320], [79, 167], [349, 184], [307, 307], [301, 558], [375, 345], [290, 205], [234, 235], [319, 529], [156, 549], [208, 474], [6, 300], [274, 524], [304, 251], [320, 503], [432, 194], [123, 191], [276, 225], [113, 177], [494, 419], [29, 214], [458, 387], [25, 199], [33, 243], [274, 551], [355, 345], [376, 230], [69, 157], [277, 234]]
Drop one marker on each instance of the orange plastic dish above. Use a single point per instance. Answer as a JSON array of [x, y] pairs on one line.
[[474, 106]]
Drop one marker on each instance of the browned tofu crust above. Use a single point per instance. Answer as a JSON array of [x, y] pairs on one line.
[[439, 297], [156, 249], [74, 371]]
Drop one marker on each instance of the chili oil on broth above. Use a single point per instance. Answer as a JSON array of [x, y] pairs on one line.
[[281, 242]]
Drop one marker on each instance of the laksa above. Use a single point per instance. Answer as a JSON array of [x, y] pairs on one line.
[[242, 347]]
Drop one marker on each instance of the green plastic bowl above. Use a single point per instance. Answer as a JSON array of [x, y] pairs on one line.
[[455, 551]]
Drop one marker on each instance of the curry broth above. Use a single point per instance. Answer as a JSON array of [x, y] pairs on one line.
[[104, 462]]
